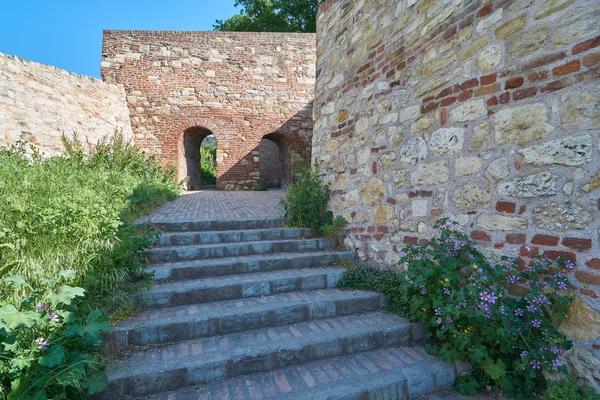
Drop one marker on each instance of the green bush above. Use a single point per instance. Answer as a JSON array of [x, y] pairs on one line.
[[261, 187], [464, 302], [208, 166], [385, 281], [568, 389], [69, 213], [305, 202]]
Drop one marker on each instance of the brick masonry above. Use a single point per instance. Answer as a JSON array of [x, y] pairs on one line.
[[238, 86], [485, 112], [40, 103]]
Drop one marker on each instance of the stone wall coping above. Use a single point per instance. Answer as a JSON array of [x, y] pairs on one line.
[[204, 33], [32, 63]]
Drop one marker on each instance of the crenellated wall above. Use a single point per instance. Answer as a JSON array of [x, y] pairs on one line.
[[486, 112], [40, 103]]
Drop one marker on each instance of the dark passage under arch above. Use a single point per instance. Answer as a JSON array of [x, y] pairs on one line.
[[274, 161], [192, 141]]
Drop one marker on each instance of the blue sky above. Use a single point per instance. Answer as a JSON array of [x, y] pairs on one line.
[[68, 33]]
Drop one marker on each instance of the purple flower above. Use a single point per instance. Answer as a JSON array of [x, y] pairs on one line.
[[41, 307], [556, 363], [446, 291], [488, 297], [532, 309], [439, 321], [569, 265], [512, 279], [471, 257], [423, 291], [524, 354], [462, 304], [535, 364], [43, 343], [502, 310], [556, 350], [438, 311], [562, 286], [536, 323], [448, 320], [519, 312], [54, 316]]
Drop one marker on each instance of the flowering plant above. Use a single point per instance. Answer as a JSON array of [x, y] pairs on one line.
[[501, 318], [46, 347]]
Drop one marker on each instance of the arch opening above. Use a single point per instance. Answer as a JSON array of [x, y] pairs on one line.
[[200, 171], [274, 161]]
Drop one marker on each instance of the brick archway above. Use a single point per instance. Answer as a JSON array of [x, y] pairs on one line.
[[275, 160], [189, 164]]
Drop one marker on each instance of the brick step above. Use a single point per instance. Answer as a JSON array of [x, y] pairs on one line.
[[212, 359], [217, 225], [232, 287], [392, 374], [206, 251], [252, 235], [168, 325], [198, 269]]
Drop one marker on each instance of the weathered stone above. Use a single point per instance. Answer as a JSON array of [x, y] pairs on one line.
[[396, 135], [447, 141], [469, 111], [497, 170], [413, 151], [583, 322], [511, 27], [438, 64], [552, 6], [490, 20], [577, 25], [561, 217], [383, 214], [593, 184], [542, 184], [489, 58], [409, 113], [571, 151], [400, 177], [438, 81], [419, 208], [471, 196], [331, 146], [481, 137], [527, 44], [372, 192], [584, 365], [423, 123], [430, 174], [467, 165], [388, 160], [521, 125], [579, 110], [497, 222], [474, 47]]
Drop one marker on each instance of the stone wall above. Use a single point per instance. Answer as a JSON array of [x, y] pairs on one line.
[[40, 103], [239, 86], [486, 112]]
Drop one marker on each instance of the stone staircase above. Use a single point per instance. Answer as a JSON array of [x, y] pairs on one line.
[[248, 310]]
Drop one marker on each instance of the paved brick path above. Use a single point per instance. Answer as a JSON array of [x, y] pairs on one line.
[[216, 205]]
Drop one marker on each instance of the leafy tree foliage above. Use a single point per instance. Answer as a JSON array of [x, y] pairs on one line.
[[272, 16]]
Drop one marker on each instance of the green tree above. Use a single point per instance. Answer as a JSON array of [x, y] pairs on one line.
[[272, 16]]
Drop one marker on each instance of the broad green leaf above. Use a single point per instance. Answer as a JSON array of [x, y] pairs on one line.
[[478, 353], [467, 386], [65, 295], [53, 358], [14, 318], [448, 354], [67, 274], [97, 382], [73, 372], [431, 349], [10, 343], [96, 322], [21, 362], [495, 370], [18, 388], [16, 280]]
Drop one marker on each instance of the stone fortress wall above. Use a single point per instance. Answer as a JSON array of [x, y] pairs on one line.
[[487, 112], [239, 86], [40, 103]]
